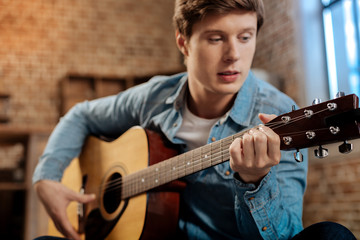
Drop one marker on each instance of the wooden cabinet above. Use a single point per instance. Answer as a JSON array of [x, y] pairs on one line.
[[4, 107], [75, 88], [19, 153]]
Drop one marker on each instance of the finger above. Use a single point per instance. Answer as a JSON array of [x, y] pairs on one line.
[[81, 198], [64, 226], [235, 151], [71, 233], [273, 143], [265, 118], [86, 198], [261, 148], [248, 148]]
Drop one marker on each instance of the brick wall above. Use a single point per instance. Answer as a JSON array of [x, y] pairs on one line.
[[43, 40], [276, 50], [333, 191]]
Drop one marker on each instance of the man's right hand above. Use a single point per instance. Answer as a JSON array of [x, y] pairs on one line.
[[55, 198]]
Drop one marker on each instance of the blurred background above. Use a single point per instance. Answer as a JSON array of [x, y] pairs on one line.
[[54, 53]]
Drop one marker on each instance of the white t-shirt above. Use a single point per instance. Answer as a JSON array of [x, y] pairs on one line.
[[195, 130]]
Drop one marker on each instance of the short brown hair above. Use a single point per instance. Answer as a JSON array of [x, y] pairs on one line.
[[188, 12]]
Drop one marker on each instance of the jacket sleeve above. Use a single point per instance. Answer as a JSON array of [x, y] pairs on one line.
[[106, 118], [275, 206]]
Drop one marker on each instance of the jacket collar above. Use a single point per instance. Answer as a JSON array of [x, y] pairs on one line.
[[178, 97], [244, 105], [242, 110]]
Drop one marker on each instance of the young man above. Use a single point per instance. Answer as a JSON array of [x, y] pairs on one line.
[[258, 194]]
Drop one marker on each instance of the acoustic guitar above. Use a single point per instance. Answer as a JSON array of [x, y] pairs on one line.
[[136, 177]]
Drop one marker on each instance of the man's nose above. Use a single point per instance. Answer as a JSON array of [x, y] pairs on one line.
[[232, 51]]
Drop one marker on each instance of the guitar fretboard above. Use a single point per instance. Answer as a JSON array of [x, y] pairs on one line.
[[177, 167]]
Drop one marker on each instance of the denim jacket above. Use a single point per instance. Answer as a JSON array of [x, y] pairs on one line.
[[215, 204]]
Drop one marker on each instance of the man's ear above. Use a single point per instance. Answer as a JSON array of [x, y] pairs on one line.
[[181, 43]]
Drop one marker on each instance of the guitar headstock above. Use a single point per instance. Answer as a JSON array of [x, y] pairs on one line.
[[328, 122]]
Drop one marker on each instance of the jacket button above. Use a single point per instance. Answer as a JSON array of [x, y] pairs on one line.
[[227, 173], [264, 228], [213, 139]]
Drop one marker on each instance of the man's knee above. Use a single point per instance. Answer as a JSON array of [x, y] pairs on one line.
[[325, 231]]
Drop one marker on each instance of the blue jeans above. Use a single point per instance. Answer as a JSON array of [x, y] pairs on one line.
[[325, 231], [318, 231]]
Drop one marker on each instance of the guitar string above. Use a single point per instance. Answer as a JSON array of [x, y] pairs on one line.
[[195, 163], [115, 184], [182, 171], [279, 123], [133, 188]]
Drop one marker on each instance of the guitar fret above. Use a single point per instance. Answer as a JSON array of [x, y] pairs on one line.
[[174, 166], [209, 155], [164, 173], [225, 148], [214, 153], [181, 166], [144, 180], [189, 163], [196, 163], [153, 176], [129, 185], [177, 167]]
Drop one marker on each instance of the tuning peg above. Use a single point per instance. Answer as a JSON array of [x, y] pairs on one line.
[[345, 147], [339, 94], [316, 101], [298, 156], [321, 152]]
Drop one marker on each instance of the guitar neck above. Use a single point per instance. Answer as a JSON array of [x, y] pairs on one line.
[[177, 167], [327, 122]]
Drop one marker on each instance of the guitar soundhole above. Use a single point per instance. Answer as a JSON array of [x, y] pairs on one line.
[[112, 193]]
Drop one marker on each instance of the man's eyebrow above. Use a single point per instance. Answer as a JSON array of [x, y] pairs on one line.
[[213, 31], [249, 29]]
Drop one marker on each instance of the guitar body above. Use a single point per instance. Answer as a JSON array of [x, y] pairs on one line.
[[151, 215]]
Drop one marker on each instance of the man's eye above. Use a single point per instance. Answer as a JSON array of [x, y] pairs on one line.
[[215, 39], [245, 38]]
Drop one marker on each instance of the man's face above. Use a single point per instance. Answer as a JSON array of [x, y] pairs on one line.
[[219, 53]]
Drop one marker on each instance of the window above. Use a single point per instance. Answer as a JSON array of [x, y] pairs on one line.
[[341, 20]]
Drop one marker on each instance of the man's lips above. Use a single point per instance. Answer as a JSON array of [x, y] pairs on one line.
[[227, 73], [228, 76]]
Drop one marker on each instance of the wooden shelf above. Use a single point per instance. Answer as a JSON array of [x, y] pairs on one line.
[[76, 88], [4, 107], [9, 130], [12, 186], [16, 192]]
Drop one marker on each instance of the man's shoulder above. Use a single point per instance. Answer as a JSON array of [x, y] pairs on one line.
[[273, 98], [159, 85], [166, 80]]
